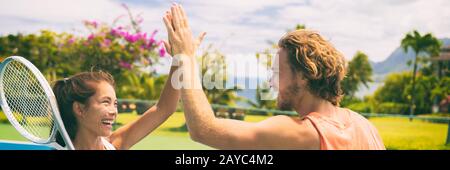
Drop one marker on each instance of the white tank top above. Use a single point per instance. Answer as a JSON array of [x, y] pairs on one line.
[[108, 146]]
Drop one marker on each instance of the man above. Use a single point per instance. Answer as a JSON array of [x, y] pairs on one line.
[[310, 72]]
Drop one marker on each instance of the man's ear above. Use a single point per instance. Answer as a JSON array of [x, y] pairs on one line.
[[78, 109], [301, 79]]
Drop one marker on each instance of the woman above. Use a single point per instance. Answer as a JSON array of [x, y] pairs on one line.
[[88, 106]]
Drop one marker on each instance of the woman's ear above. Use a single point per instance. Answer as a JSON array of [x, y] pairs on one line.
[[78, 109]]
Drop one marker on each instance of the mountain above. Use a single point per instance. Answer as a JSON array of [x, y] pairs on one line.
[[396, 62]]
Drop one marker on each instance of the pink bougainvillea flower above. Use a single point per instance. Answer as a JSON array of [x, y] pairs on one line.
[[91, 36], [124, 64], [162, 52], [123, 33], [91, 23], [143, 37], [132, 38], [106, 43], [94, 24], [71, 40], [150, 43], [114, 32], [124, 6], [151, 40], [101, 34], [139, 20], [140, 36], [143, 47]]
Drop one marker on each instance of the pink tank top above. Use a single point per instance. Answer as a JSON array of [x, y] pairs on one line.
[[346, 130]]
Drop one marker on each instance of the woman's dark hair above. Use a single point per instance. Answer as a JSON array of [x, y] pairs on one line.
[[78, 88]]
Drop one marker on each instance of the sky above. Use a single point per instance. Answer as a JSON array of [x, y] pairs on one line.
[[244, 27]]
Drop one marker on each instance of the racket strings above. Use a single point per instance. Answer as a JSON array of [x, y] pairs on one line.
[[27, 100]]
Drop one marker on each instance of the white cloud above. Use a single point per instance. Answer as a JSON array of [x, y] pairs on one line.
[[375, 27]]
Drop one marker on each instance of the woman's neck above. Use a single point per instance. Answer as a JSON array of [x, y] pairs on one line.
[[86, 140]]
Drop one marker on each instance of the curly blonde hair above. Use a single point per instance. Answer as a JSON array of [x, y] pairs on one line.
[[319, 62]]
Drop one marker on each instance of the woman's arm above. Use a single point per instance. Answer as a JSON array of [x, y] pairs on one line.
[[131, 133]]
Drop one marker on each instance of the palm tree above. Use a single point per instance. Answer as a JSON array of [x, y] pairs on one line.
[[426, 44], [141, 86], [213, 61], [214, 64], [359, 71]]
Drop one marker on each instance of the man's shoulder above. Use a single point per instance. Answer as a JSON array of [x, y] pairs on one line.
[[354, 114], [289, 123], [300, 132], [282, 120]]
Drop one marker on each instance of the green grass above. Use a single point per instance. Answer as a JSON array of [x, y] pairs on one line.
[[7, 132], [397, 133], [161, 139]]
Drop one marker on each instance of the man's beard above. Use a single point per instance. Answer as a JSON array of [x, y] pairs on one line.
[[286, 98]]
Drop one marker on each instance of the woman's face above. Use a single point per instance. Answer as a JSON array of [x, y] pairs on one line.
[[100, 112]]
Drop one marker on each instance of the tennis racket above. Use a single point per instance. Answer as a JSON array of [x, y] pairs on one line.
[[29, 103]]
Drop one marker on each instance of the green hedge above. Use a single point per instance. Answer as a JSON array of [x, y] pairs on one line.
[[360, 107], [3, 118], [391, 108]]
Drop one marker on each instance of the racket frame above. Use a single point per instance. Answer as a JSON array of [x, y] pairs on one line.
[[57, 120]]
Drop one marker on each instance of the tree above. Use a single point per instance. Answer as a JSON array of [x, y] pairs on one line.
[[397, 87], [421, 45], [213, 65], [393, 93], [141, 86], [393, 89], [297, 27], [359, 71], [47, 50], [122, 50]]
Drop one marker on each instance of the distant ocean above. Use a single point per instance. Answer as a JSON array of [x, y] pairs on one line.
[[364, 91]]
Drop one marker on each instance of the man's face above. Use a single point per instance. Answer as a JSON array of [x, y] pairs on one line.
[[289, 83]]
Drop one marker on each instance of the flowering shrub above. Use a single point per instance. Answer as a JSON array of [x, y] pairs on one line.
[[122, 50], [118, 48]]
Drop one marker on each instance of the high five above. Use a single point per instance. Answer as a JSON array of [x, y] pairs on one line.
[[310, 71]]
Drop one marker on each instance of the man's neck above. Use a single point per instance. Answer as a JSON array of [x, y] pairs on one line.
[[310, 103]]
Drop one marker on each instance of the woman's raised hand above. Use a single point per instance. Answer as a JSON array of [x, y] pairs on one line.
[[180, 36]]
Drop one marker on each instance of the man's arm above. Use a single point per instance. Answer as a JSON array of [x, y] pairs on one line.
[[279, 132]]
